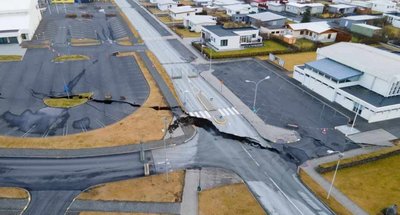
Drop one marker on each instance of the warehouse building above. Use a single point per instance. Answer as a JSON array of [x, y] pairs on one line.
[[18, 21], [361, 78]]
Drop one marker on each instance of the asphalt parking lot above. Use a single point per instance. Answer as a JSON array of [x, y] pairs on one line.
[[280, 103], [23, 85]]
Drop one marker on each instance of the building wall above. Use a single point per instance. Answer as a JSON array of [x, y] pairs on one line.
[[383, 6], [317, 10], [343, 11], [180, 16], [196, 27], [279, 8], [364, 31], [295, 10], [323, 38], [165, 7]]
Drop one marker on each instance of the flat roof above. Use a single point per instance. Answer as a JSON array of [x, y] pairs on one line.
[[266, 16], [341, 6], [201, 19], [182, 9], [226, 32], [16, 6], [368, 26], [305, 5], [371, 97], [334, 69], [362, 17], [317, 27], [368, 59], [237, 7]]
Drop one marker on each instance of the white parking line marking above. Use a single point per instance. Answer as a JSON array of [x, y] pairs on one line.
[[237, 112], [233, 113]]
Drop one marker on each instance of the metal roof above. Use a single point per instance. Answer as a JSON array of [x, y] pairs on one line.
[[368, 59], [362, 17], [335, 70], [226, 32], [371, 97], [317, 27], [266, 16]]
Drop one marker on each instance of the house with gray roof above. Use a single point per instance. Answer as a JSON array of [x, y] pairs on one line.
[[269, 23], [348, 21], [223, 39], [361, 78]]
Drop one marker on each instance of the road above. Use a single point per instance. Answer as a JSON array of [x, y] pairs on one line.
[[187, 83], [53, 183]]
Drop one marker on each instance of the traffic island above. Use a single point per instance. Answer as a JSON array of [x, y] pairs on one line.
[[64, 58], [10, 58], [85, 42], [13, 193], [68, 101]]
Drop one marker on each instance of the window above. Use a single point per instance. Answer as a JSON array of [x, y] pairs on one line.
[[254, 35], [301, 32], [224, 42], [23, 36], [329, 36]]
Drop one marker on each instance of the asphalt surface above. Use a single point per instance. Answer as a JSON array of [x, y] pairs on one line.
[[53, 183], [281, 103], [22, 111]]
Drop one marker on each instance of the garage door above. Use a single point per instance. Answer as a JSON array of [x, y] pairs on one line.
[[8, 40]]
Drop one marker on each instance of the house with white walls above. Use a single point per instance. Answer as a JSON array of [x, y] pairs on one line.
[[196, 22], [178, 13], [165, 5], [314, 31], [300, 8], [239, 12]]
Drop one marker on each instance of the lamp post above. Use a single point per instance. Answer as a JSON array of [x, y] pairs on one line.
[[255, 90], [337, 167], [165, 147]]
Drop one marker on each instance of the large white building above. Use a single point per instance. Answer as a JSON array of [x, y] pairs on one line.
[[18, 20], [359, 77]]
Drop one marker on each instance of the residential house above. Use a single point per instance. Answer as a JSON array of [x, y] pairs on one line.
[[222, 39], [300, 8], [314, 31], [269, 23], [345, 73], [178, 13], [239, 12], [393, 18], [276, 6], [348, 21], [165, 5], [203, 3], [366, 30], [383, 6], [195, 23], [220, 4], [18, 20], [342, 8]]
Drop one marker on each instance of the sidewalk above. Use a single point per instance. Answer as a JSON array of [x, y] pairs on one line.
[[272, 133], [309, 168], [189, 205]]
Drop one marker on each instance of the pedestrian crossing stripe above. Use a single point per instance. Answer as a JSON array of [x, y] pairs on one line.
[[206, 115]]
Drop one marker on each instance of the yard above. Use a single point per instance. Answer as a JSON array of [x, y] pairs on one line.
[[304, 44], [392, 32], [373, 186], [268, 47], [297, 59], [184, 33], [229, 199]]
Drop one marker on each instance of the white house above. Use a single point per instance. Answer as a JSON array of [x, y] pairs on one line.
[[269, 23], [195, 23], [224, 39], [344, 73], [178, 13], [203, 3], [315, 31], [393, 18], [275, 6], [220, 4], [238, 12], [18, 20], [383, 6], [300, 8], [342, 8], [165, 5]]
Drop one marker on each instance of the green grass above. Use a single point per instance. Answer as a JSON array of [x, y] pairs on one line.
[[373, 186], [63, 58], [305, 44], [185, 33], [10, 58], [392, 32], [269, 47]]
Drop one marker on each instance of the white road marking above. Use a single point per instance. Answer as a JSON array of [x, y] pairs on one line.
[[191, 114], [286, 196], [248, 153], [227, 112], [202, 114], [237, 112], [197, 114], [233, 113], [222, 113], [208, 115]]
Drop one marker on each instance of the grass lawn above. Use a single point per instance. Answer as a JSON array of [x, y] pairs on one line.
[[153, 188], [269, 46], [392, 32], [229, 199], [183, 32], [321, 194], [145, 124], [10, 58], [13, 193], [305, 44], [63, 58], [297, 58], [167, 20], [373, 186], [155, 10]]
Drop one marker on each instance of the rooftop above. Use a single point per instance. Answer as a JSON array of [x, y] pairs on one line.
[[368, 59], [237, 7], [266, 16], [318, 27], [368, 26], [166, 2], [182, 9], [226, 32], [362, 17], [342, 6], [275, 4], [227, 2], [371, 97], [305, 5], [335, 70], [16, 6]]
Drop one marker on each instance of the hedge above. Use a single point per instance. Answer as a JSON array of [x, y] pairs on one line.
[[359, 160]]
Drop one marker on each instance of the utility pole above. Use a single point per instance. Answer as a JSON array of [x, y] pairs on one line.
[[165, 148]]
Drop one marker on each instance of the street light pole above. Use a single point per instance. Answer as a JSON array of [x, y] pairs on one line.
[[336, 169], [255, 90], [165, 147], [210, 58]]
